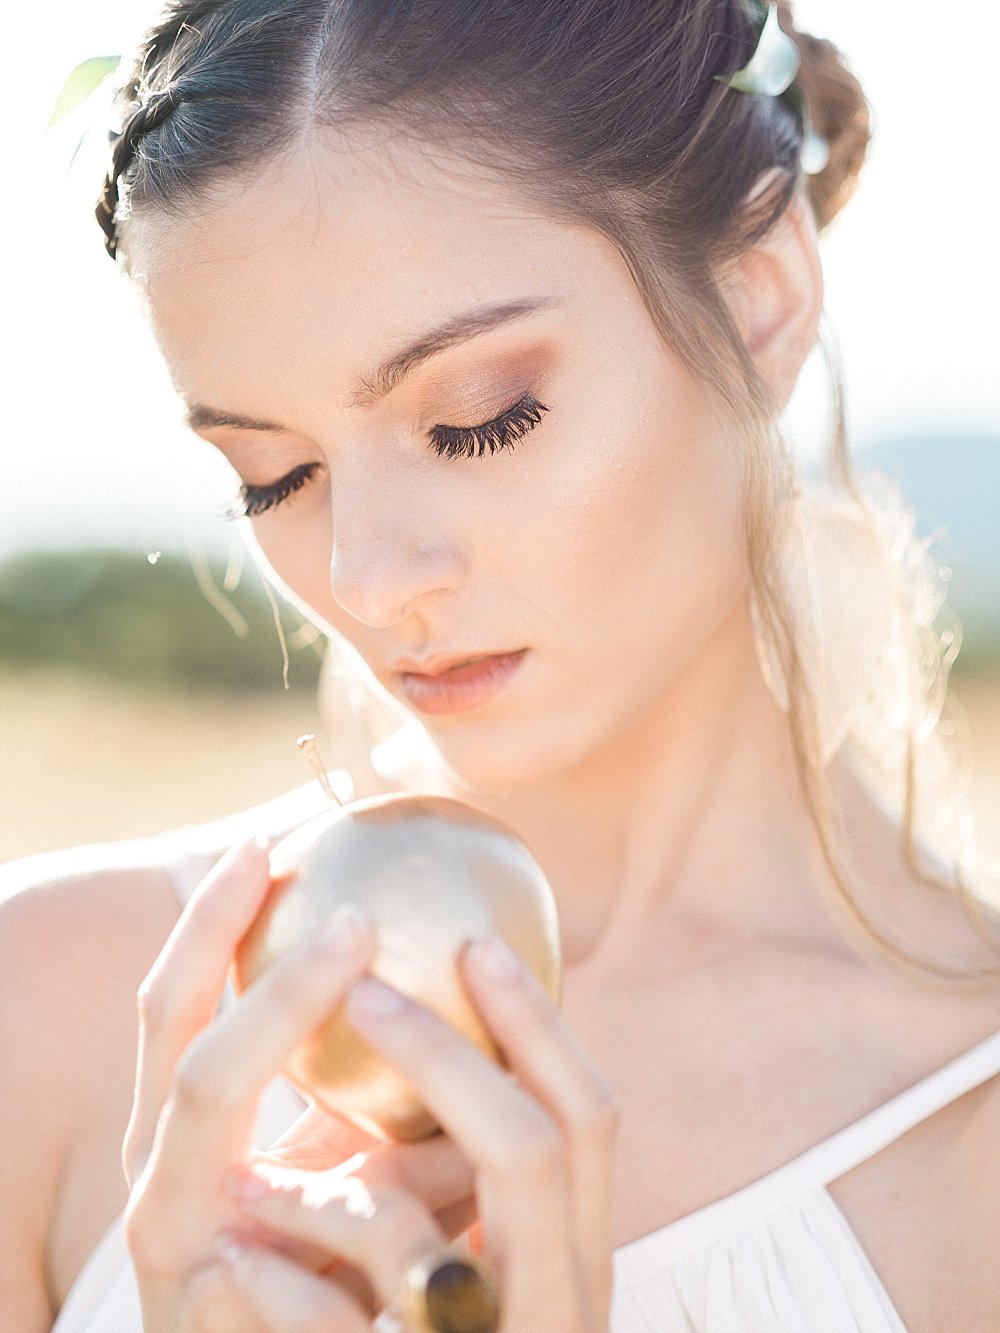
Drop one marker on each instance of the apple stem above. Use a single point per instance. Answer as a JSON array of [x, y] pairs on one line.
[[307, 744]]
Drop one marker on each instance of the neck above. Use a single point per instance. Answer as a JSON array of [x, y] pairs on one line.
[[695, 814]]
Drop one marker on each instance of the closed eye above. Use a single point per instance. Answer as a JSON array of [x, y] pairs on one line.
[[502, 432], [254, 500], [492, 436]]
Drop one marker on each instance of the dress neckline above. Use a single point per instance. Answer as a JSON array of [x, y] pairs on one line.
[[812, 1170]]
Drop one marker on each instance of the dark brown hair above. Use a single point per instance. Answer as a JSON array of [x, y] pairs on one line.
[[614, 112]]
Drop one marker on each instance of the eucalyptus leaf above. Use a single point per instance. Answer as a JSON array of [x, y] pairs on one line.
[[773, 66], [81, 82]]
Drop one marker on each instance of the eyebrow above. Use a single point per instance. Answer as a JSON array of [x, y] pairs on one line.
[[370, 389]]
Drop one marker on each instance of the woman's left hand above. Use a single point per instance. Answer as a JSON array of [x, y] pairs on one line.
[[540, 1149]]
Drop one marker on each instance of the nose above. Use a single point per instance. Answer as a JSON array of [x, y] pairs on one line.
[[388, 555]]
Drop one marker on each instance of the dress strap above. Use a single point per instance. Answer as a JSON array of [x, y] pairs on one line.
[[863, 1139], [813, 1170]]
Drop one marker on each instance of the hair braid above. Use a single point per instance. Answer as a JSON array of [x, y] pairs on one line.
[[147, 116]]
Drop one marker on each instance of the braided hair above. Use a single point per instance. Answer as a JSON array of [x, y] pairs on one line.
[[145, 106], [591, 98], [236, 59], [147, 116]]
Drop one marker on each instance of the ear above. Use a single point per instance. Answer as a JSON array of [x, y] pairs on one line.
[[775, 293]]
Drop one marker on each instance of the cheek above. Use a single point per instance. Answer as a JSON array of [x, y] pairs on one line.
[[646, 531], [297, 548]]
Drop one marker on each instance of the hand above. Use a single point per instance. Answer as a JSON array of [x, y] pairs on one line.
[[540, 1150], [538, 1156], [197, 1086], [198, 1081]]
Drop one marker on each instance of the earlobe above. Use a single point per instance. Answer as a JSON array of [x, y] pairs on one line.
[[776, 297]]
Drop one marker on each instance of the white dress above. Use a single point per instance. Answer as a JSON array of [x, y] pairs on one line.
[[778, 1256]]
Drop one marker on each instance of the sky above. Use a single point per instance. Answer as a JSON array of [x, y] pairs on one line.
[[93, 449]]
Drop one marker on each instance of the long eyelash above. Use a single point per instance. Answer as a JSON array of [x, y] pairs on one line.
[[500, 433], [254, 500], [448, 441]]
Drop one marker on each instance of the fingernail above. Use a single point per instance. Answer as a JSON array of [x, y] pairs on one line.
[[342, 935], [494, 957], [369, 998], [246, 1186]]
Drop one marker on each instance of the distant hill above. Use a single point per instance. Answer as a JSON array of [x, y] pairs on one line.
[[168, 623], [114, 613]]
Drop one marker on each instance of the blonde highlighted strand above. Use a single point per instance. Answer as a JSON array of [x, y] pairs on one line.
[[926, 660]]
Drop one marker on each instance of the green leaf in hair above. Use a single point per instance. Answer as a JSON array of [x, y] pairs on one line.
[[772, 68], [81, 82]]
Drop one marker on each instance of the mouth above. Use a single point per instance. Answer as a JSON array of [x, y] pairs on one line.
[[456, 683]]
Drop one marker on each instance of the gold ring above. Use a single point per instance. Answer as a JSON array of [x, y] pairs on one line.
[[451, 1292]]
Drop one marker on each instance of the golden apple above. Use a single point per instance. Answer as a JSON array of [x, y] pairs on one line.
[[431, 873]]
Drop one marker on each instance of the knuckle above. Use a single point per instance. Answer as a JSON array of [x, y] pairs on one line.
[[430, 1035], [154, 1253], [195, 1086], [535, 1146], [133, 1156], [152, 1002], [210, 1298], [535, 1008], [401, 1219], [285, 984], [436, 1039], [603, 1114]]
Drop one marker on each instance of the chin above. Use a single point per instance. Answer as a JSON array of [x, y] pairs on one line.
[[502, 757]]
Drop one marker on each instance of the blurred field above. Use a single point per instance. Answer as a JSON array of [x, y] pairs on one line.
[[82, 761]]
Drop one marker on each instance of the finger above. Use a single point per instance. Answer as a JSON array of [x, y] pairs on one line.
[[285, 1297], [182, 990], [434, 1171], [516, 1147], [320, 1140], [217, 1306], [381, 1231], [552, 1066], [211, 1108]]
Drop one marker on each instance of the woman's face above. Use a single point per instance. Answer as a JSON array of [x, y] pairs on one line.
[[582, 563]]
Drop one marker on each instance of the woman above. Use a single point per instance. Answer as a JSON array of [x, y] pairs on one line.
[[494, 309]]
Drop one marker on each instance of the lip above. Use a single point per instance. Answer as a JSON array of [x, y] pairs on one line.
[[456, 682]]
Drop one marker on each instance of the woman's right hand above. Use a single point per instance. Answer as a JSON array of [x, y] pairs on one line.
[[198, 1083]]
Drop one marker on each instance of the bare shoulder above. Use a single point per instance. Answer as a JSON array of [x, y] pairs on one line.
[[927, 1212], [927, 1207], [78, 931], [76, 928], [74, 923]]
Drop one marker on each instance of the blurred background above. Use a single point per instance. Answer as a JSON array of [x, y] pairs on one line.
[[142, 677]]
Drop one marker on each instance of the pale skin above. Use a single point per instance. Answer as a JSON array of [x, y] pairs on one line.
[[637, 751]]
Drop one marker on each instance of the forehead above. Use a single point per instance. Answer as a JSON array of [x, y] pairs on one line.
[[330, 256]]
